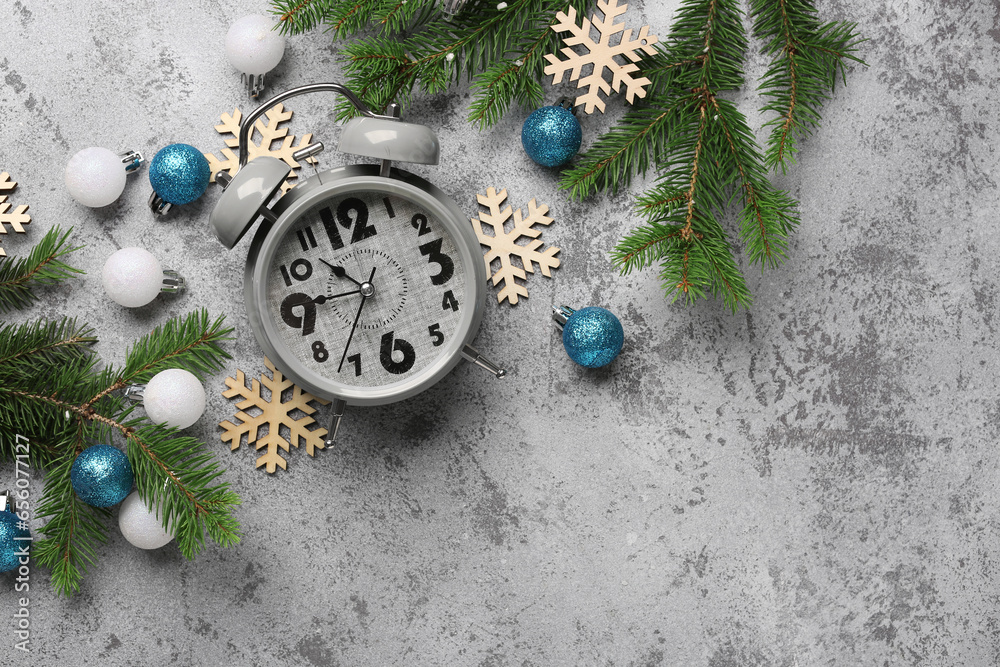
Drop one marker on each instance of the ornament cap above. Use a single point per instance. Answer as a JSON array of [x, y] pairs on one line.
[[132, 161], [157, 205], [561, 315], [173, 282], [5, 502]]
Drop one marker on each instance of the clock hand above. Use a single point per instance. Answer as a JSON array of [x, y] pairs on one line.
[[340, 272], [327, 298], [364, 297]]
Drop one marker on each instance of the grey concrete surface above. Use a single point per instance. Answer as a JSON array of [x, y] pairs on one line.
[[812, 483]]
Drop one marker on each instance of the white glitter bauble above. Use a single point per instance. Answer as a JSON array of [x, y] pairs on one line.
[[174, 397], [132, 277], [141, 527], [253, 46], [95, 177]]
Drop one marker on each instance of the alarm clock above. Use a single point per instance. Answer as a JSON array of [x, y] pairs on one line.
[[364, 284]]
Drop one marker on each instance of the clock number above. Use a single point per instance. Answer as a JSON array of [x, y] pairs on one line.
[[362, 230], [300, 269], [306, 238], [398, 345], [419, 223], [435, 332], [449, 301], [388, 207], [356, 360], [359, 221], [306, 321], [434, 256], [320, 353]]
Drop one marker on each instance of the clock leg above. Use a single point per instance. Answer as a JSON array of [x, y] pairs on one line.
[[476, 357], [336, 414]]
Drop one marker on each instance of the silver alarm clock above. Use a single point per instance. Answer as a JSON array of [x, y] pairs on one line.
[[364, 284]]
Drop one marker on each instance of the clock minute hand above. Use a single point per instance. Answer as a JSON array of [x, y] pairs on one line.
[[340, 272], [364, 297]]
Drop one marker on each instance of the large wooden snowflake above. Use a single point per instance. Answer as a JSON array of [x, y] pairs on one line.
[[278, 415], [271, 139], [504, 247], [17, 218], [602, 55]]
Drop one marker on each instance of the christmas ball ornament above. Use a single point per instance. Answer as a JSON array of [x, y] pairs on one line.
[[174, 397], [551, 136], [179, 174], [95, 176], [133, 277], [140, 525], [101, 476], [13, 539], [254, 47], [592, 336]]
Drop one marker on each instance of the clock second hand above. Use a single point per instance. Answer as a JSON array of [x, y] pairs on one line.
[[354, 326]]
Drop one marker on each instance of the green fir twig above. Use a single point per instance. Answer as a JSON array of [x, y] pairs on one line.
[[43, 266], [686, 130], [807, 57], [52, 393]]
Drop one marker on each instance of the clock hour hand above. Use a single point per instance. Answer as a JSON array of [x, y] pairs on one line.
[[365, 293], [340, 272]]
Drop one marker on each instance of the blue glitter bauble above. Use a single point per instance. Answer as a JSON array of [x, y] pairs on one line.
[[551, 136], [179, 174], [593, 337], [13, 540], [101, 476]]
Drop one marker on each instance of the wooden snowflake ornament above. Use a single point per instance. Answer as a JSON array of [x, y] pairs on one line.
[[276, 414], [602, 55], [271, 139], [503, 244], [17, 218]]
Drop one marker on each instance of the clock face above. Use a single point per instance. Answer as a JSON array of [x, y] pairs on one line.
[[366, 288]]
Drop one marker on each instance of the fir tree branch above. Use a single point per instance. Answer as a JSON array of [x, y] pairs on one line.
[[175, 476], [72, 534], [482, 41], [807, 57], [768, 216], [24, 347], [61, 400], [628, 149], [298, 16], [192, 343], [42, 267]]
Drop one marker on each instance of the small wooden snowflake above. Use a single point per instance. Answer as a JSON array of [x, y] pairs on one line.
[[602, 55], [292, 416], [503, 244], [271, 139], [17, 218]]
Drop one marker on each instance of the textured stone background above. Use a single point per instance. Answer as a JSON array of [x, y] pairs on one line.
[[813, 483]]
